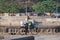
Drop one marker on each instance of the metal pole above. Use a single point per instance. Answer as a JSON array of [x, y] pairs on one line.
[[57, 6], [26, 7]]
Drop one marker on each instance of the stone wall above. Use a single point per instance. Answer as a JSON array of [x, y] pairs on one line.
[[44, 23], [15, 20], [18, 14]]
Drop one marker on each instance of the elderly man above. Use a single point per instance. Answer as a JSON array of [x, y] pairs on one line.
[[24, 24]]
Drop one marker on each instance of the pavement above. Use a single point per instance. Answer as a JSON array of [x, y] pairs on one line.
[[36, 37]]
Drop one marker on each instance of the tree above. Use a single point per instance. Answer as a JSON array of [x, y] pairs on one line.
[[8, 6], [45, 6], [58, 10]]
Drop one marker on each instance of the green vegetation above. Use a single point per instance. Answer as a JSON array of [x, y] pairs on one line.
[[15, 6], [45, 6], [8, 7]]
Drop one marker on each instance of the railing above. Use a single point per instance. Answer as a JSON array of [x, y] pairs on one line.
[[21, 31]]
